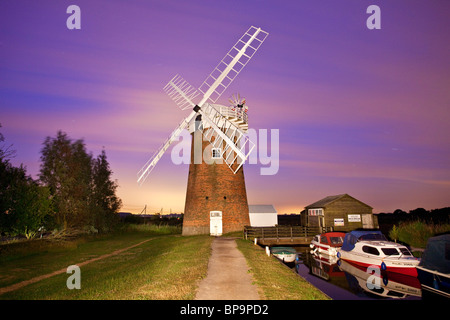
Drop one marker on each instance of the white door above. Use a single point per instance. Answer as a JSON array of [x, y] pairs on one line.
[[367, 221], [215, 223]]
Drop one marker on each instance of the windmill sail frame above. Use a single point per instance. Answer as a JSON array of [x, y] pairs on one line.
[[221, 129]]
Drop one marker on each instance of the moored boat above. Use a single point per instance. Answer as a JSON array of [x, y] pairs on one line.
[[434, 267], [387, 284], [371, 248], [285, 254], [327, 243]]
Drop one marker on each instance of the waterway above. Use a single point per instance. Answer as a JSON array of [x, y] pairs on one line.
[[343, 281]]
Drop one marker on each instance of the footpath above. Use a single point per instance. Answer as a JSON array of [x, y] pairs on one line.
[[227, 277]]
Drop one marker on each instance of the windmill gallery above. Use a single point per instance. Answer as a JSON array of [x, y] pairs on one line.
[[216, 197]]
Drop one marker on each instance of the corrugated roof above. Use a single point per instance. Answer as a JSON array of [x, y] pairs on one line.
[[261, 208], [327, 200]]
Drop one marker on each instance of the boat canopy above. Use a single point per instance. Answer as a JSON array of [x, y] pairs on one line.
[[437, 254], [283, 250], [334, 239], [357, 235]]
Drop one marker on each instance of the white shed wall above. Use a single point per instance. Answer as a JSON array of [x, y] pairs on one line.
[[263, 219]]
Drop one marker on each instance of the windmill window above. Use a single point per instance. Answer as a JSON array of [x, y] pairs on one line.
[[216, 153]]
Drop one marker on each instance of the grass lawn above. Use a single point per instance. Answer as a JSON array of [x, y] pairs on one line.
[[165, 267], [274, 280]]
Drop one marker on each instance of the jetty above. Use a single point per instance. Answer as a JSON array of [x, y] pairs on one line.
[[282, 235]]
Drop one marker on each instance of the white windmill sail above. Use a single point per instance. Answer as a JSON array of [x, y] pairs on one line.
[[237, 145], [232, 64], [151, 163]]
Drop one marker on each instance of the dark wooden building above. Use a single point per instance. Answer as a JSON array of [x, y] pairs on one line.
[[339, 213]]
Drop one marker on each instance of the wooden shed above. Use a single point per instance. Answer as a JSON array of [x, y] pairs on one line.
[[339, 213]]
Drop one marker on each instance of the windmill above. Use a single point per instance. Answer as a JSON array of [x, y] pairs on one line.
[[213, 191]]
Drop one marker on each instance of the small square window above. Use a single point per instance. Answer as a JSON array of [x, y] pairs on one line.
[[216, 153]]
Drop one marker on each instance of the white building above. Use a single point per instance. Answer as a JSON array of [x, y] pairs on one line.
[[263, 215]]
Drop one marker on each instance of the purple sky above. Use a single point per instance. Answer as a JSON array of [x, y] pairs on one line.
[[359, 111]]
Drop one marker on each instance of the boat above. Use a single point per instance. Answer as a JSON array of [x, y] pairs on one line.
[[386, 285], [327, 243], [285, 254], [371, 248], [325, 266], [434, 267]]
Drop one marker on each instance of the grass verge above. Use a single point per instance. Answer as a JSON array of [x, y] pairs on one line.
[[274, 280], [166, 267]]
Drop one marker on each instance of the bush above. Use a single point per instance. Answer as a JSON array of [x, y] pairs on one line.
[[416, 233]]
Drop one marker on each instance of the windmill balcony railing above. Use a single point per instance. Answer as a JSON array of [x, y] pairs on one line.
[[233, 113]]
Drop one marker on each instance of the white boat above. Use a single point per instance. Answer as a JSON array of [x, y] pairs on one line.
[[389, 284], [285, 254], [371, 248], [327, 243]]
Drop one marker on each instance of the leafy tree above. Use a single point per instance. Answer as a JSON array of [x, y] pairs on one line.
[[81, 187], [399, 211], [105, 202], [24, 205], [66, 171]]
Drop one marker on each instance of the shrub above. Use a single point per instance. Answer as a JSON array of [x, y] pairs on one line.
[[416, 233]]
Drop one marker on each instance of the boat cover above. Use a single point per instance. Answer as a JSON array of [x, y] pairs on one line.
[[437, 254], [283, 250], [353, 236]]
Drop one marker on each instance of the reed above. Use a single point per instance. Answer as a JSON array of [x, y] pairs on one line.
[[416, 233], [154, 229]]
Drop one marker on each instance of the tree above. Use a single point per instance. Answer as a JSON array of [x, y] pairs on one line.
[[24, 205], [66, 171], [5, 151], [399, 212], [106, 203], [81, 187]]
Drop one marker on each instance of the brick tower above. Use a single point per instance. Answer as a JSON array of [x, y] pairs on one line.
[[212, 187]]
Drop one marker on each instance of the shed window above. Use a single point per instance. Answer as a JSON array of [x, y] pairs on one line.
[[315, 212], [371, 250]]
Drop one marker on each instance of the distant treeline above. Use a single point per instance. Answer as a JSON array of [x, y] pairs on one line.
[[436, 216], [74, 190]]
